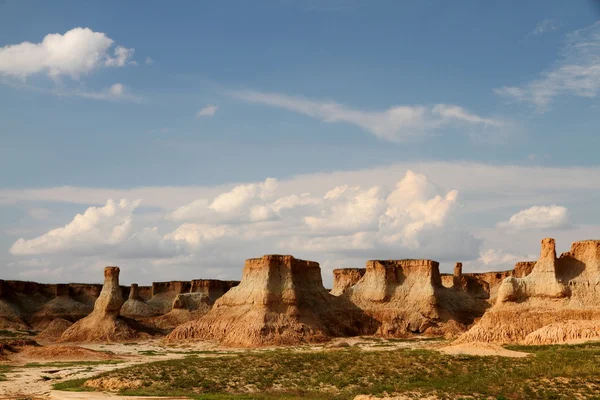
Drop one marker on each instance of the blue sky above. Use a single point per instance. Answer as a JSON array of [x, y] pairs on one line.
[[333, 92]]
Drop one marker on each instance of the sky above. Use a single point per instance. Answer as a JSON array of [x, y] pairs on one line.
[[177, 140]]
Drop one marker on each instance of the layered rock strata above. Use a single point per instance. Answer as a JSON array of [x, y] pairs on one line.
[[559, 301], [407, 297], [279, 301]]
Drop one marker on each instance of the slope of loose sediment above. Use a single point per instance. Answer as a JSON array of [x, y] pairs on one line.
[[407, 296], [279, 301], [54, 330], [570, 331], [62, 307], [134, 308], [344, 278], [549, 305]]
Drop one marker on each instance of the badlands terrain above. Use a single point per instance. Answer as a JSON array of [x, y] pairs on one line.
[[397, 329]]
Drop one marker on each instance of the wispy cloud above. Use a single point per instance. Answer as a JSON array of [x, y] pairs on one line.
[[116, 92], [577, 73], [545, 25], [396, 124], [207, 111]]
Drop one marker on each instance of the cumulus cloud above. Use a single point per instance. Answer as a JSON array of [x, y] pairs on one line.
[[250, 219], [75, 53], [539, 217], [234, 204], [577, 73], [396, 124], [207, 111], [98, 229]]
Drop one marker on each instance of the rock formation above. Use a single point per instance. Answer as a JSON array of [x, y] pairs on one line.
[[54, 330], [279, 301], [104, 323], [213, 288], [407, 297], [135, 307], [558, 301], [344, 278], [186, 307]]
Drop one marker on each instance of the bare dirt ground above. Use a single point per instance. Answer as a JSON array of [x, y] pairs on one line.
[[66, 362], [36, 382]]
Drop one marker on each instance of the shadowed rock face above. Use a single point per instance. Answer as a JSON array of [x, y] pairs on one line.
[[345, 278], [550, 303], [407, 296], [280, 300]]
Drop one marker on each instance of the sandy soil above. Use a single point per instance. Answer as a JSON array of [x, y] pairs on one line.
[[481, 349], [33, 382]]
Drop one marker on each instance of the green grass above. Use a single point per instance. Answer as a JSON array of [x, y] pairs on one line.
[[74, 385], [554, 372], [3, 370], [17, 333], [65, 364], [151, 353]]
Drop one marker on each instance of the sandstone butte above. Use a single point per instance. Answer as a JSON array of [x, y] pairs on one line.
[[407, 297], [558, 302], [279, 301]]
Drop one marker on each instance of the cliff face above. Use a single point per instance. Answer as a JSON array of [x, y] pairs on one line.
[[280, 300], [211, 287], [32, 305], [407, 297], [550, 303], [345, 278]]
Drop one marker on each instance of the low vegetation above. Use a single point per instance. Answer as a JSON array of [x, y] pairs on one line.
[[553, 372]]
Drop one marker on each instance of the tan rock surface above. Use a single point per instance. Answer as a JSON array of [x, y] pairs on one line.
[[558, 294], [345, 278], [104, 323], [407, 297], [279, 301]]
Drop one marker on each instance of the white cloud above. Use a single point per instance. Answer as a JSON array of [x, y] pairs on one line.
[[539, 217], [78, 52], [116, 92], [396, 124], [97, 230], [149, 61], [545, 25], [234, 204], [577, 73], [207, 111]]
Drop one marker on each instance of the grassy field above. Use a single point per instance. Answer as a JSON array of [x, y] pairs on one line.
[[553, 372]]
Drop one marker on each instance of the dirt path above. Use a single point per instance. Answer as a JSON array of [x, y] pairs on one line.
[[36, 382]]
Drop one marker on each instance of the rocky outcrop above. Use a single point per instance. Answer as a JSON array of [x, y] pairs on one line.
[[548, 304], [407, 297], [213, 288], [105, 324], [135, 307], [279, 301], [345, 278], [186, 307]]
